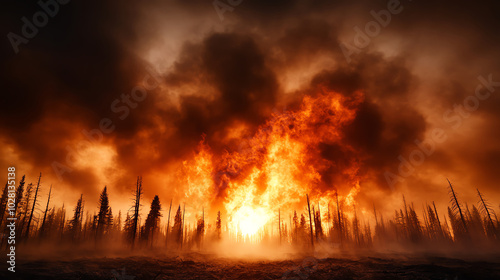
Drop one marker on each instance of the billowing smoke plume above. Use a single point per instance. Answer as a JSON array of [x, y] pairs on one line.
[[103, 93]]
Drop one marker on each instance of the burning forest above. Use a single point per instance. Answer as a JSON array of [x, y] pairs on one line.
[[325, 225], [330, 220], [239, 139]]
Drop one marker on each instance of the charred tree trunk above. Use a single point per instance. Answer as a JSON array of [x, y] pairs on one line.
[[42, 228], [457, 205], [486, 209], [310, 222], [137, 204], [279, 222], [329, 217], [339, 217], [182, 225], [168, 221], [33, 208], [438, 221]]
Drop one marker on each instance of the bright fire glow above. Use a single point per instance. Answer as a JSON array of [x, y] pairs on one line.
[[272, 171], [250, 220]]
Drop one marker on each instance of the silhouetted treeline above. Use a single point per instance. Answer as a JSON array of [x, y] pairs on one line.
[[339, 225]]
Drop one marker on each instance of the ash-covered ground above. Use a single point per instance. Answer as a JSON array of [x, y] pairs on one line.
[[206, 266]]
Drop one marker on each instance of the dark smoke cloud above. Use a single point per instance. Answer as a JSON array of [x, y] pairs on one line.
[[245, 88], [238, 71]]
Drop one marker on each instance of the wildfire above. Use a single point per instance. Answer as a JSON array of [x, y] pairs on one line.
[[250, 220], [273, 170]]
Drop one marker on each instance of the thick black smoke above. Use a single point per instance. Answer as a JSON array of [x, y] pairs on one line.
[[263, 56]]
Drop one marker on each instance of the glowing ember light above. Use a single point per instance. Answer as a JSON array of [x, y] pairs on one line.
[[250, 220], [281, 163]]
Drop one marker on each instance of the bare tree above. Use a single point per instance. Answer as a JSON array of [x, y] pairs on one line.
[[33, 207], [218, 226], [310, 222], [42, 228], [456, 207], [487, 212], [133, 223], [168, 223]]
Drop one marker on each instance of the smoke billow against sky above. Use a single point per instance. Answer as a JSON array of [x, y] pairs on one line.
[[217, 77]]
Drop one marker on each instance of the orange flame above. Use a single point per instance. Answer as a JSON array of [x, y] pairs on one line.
[[277, 166]]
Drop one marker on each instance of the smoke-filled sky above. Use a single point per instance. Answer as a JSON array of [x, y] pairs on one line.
[[96, 94]]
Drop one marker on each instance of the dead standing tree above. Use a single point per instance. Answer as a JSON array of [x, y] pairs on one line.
[[487, 211], [168, 223], [279, 222], [137, 205], [310, 222], [23, 209], [33, 208], [339, 218], [218, 226], [183, 224], [318, 228], [456, 207], [42, 228]]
